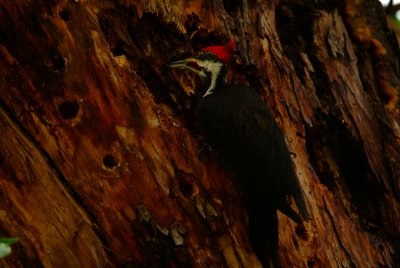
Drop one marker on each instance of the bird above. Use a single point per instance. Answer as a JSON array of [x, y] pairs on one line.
[[237, 124]]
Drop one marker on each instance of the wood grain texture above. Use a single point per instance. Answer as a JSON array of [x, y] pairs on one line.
[[101, 162]]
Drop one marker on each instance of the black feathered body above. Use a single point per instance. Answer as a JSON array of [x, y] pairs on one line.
[[238, 126]]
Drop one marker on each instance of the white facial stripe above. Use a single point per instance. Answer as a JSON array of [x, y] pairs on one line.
[[199, 72], [214, 68]]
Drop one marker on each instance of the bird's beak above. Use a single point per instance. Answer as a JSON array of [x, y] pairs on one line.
[[180, 64]]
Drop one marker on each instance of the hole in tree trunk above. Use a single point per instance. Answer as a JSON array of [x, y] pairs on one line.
[[65, 15], [68, 109], [186, 188], [109, 161], [58, 63], [301, 232]]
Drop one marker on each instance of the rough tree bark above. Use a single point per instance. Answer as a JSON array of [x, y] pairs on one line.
[[100, 162]]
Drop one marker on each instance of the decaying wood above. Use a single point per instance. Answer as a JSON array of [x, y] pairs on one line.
[[101, 163]]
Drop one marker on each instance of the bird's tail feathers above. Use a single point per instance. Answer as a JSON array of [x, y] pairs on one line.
[[286, 209], [301, 204], [263, 234], [289, 211]]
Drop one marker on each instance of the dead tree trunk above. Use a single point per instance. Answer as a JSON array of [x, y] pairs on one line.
[[99, 162]]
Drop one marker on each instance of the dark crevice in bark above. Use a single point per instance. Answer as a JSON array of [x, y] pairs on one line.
[[350, 173], [294, 25]]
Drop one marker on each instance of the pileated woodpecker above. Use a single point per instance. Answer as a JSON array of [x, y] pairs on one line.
[[237, 124]]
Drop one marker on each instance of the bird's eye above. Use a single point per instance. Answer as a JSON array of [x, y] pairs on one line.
[[194, 65]]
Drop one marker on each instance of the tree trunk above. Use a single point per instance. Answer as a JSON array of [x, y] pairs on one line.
[[101, 162]]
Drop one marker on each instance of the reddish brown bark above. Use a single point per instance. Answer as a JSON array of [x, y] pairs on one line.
[[100, 162]]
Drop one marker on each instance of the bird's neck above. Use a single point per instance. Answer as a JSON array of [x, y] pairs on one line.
[[214, 81]]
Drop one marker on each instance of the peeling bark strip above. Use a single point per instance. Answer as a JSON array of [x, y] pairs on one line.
[[100, 163]]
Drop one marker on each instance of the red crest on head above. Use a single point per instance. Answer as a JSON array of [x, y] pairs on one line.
[[224, 53]]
